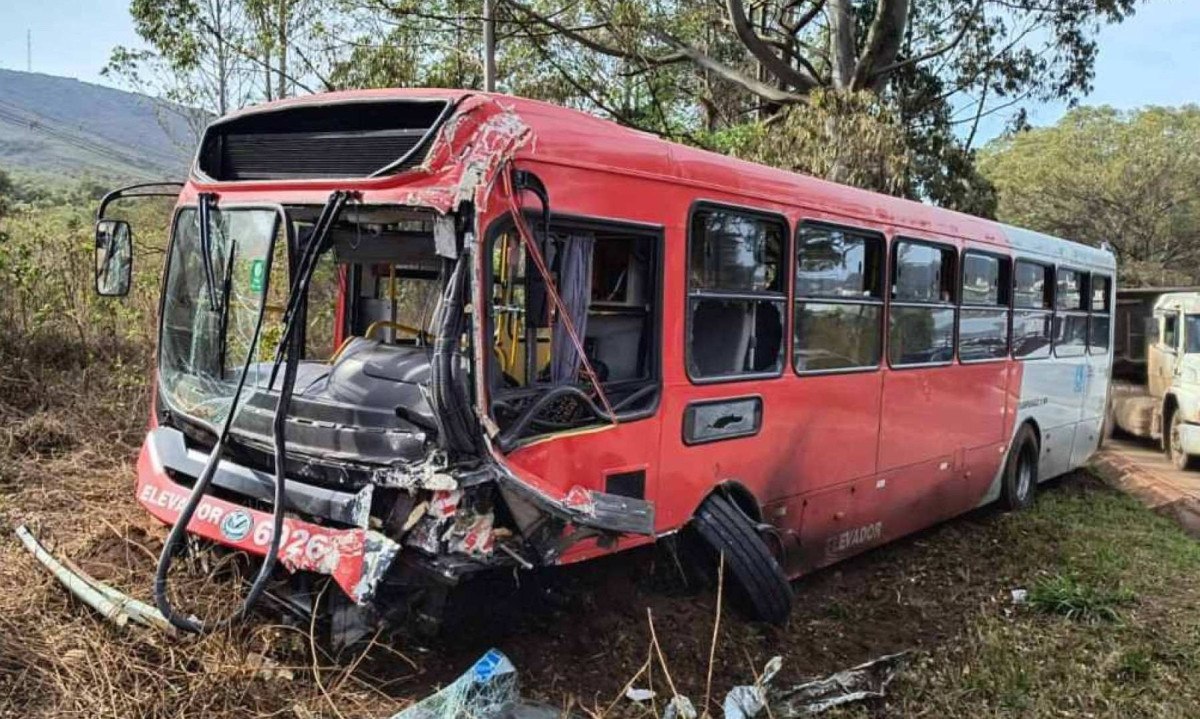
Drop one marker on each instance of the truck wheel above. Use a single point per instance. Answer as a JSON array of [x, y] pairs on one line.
[[1019, 482], [1181, 459], [757, 584]]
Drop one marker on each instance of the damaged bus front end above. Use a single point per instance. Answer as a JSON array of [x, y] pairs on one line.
[[395, 481]]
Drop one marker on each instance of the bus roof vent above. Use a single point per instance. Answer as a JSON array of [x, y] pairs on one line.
[[342, 140]]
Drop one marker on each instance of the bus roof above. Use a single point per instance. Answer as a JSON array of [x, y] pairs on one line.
[[568, 137]]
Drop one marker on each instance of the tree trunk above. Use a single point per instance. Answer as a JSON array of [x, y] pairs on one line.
[[283, 48], [842, 50]]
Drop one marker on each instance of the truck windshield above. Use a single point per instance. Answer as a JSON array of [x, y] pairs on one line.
[[1191, 334], [203, 343]]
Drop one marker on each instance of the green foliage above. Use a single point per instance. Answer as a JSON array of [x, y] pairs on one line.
[[763, 79], [1067, 596], [47, 264], [1102, 175], [848, 137]]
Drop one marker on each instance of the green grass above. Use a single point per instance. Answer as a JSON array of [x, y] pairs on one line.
[[1067, 596], [1110, 628]]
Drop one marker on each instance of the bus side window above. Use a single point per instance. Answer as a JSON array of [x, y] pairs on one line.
[[1033, 310], [983, 321], [1071, 318], [839, 299], [736, 293], [921, 322], [1101, 312]]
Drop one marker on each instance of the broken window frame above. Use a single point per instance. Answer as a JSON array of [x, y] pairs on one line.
[[875, 244], [653, 362], [947, 278], [779, 299]]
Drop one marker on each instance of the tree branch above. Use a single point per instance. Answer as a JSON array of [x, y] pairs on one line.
[[589, 42], [883, 43], [801, 22], [875, 76], [772, 63], [729, 74]]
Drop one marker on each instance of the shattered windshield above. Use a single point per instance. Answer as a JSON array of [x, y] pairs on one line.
[[208, 326]]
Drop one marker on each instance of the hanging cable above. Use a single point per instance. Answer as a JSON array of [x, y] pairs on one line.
[[288, 353], [564, 316]]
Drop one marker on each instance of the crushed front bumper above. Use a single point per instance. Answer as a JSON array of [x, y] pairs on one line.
[[356, 558]]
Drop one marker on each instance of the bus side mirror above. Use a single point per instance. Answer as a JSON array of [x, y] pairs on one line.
[[114, 258]]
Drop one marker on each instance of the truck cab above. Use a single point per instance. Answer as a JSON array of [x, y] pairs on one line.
[[1161, 398]]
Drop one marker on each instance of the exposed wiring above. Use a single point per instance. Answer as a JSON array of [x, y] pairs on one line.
[[535, 254]]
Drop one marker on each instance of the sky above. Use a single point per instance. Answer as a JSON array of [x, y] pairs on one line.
[[1150, 59]]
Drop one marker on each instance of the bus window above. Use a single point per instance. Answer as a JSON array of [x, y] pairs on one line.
[[1033, 310], [1071, 319], [921, 323], [607, 279], [1100, 318], [839, 299], [736, 295], [983, 321], [1170, 333]]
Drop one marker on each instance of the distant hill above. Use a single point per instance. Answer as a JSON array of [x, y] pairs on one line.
[[60, 126]]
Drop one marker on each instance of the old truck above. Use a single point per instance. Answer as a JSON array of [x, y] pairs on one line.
[[1156, 370]]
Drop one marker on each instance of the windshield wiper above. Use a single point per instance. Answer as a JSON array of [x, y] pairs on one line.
[[206, 258], [226, 292]]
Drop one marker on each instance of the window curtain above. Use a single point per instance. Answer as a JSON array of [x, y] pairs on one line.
[[575, 289]]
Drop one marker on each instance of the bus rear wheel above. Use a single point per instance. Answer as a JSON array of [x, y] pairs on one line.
[[755, 579], [1020, 479]]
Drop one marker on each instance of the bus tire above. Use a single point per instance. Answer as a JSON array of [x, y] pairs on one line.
[[1180, 459], [758, 583], [1019, 483]]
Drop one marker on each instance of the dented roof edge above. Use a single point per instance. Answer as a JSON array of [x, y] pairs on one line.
[[467, 149]]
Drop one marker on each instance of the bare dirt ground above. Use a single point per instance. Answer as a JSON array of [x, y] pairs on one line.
[[1112, 628]]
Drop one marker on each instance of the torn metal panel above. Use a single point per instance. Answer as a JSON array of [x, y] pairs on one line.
[[471, 533], [356, 558], [470, 147], [169, 451], [580, 506], [431, 473]]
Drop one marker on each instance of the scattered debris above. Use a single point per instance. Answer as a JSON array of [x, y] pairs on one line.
[[115, 606], [865, 681], [680, 707], [488, 690], [1020, 596], [640, 696], [745, 702]]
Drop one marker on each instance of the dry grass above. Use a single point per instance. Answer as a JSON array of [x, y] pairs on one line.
[[68, 428], [1112, 628]]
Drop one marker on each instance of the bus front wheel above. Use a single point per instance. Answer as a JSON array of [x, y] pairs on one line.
[[753, 576], [1020, 471]]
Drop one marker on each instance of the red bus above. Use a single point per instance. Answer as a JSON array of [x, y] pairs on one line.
[[411, 335]]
